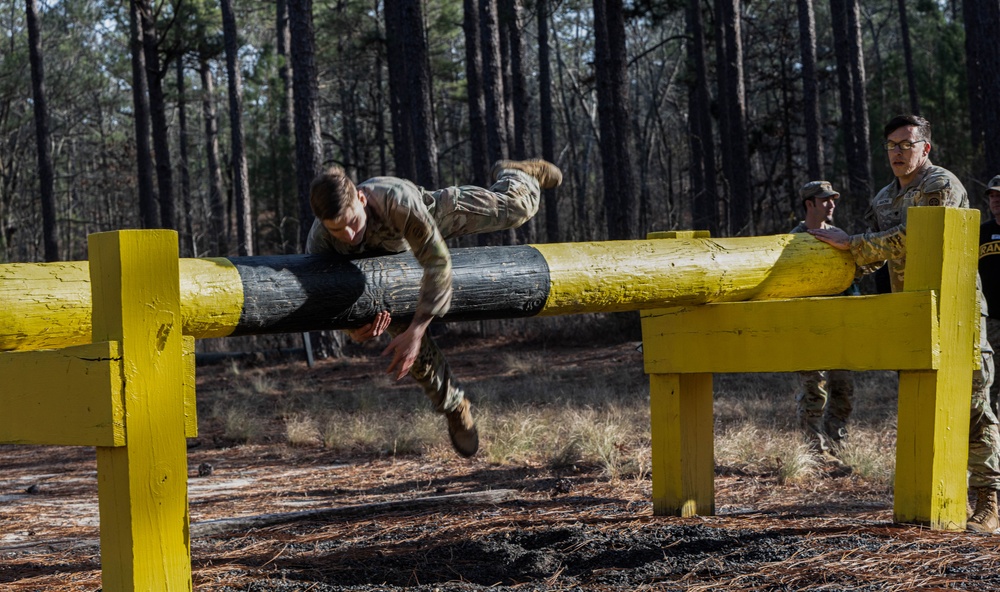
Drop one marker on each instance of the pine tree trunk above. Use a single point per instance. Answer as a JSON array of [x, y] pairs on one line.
[[216, 205], [982, 20], [286, 123], [158, 116], [810, 91], [474, 85], [241, 183], [612, 112], [732, 96], [546, 109], [46, 176], [189, 247], [308, 142], [705, 196], [148, 214]]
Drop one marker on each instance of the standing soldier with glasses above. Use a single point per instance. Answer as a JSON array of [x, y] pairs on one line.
[[918, 182]]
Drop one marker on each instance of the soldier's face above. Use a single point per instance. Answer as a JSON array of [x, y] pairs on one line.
[[349, 227], [905, 163], [995, 204]]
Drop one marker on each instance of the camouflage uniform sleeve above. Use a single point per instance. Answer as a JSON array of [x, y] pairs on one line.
[[867, 259], [409, 214], [874, 246]]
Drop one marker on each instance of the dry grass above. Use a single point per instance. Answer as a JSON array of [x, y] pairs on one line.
[[568, 428]]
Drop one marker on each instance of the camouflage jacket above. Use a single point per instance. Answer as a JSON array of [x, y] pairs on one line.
[[400, 217], [885, 239]]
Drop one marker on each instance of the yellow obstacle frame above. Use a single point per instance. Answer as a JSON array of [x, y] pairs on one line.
[[130, 394], [929, 332]]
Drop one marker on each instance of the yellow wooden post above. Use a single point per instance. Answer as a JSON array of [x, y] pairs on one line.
[[683, 449], [933, 426], [143, 486], [681, 432]]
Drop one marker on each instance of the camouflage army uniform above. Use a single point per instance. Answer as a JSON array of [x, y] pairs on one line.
[[825, 399], [402, 216], [886, 240]]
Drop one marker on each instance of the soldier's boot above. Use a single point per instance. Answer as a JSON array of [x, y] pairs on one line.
[[462, 429], [549, 176], [985, 518]]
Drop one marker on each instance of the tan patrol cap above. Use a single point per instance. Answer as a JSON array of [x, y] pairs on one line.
[[993, 185], [815, 189]]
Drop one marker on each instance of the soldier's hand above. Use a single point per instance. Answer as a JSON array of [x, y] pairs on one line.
[[372, 329], [406, 346], [833, 236]]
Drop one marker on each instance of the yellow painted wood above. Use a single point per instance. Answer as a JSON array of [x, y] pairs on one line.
[[69, 397], [48, 305], [797, 334], [933, 424], [190, 380], [617, 276], [678, 234], [143, 486], [211, 297], [683, 454], [40, 305]]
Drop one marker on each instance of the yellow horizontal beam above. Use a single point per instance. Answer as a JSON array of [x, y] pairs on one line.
[[69, 397], [617, 276], [48, 305], [848, 333]]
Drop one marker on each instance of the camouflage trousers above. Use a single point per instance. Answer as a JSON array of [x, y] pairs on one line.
[[432, 373], [508, 203], [824, 403], [984, 438]]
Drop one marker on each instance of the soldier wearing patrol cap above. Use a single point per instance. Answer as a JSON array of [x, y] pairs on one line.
[[825, 397], [989, 272], [918, 182]]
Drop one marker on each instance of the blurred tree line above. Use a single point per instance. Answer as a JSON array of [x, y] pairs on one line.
[[212, 117]]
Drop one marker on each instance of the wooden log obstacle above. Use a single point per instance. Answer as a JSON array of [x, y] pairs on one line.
[[929, 332], [93, 353], [47, 305]]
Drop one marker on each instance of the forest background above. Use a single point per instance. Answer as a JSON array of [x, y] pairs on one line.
[[212, 118]]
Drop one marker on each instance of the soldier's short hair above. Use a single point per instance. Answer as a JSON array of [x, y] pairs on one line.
[[923, 126], [331, 193]]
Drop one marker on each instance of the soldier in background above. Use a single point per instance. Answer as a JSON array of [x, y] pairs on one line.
[[391, 215], [825, 399], [918, 182], [989, 273]]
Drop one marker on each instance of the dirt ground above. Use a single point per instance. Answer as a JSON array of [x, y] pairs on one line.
[[375, 522]]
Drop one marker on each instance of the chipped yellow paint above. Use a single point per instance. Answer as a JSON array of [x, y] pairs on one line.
[[796, 334], [618, 276], [190, 382], [211, 297], [679, 234], [67, 397], [47, 305], [932, 442], [683, 457], [145, 543]]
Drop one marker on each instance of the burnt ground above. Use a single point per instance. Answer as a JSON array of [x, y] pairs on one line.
[[549, 529]]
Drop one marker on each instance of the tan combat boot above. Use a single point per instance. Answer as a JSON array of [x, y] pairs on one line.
[[462, 429], [984, 519], [548, 174]]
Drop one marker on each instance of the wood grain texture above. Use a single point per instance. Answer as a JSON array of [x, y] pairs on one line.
[[68, 397]]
